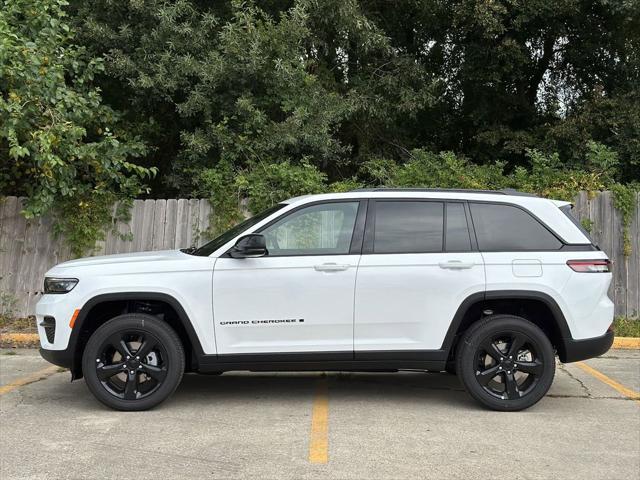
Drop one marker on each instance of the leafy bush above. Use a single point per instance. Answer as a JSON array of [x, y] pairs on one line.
[[266, 184], [627, 326], [547, 175], [261, 184], [60, 146]]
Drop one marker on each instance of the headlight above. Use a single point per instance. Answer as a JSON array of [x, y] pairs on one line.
[[59, 285]]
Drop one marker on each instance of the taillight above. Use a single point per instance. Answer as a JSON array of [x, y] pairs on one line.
[[590, 266]]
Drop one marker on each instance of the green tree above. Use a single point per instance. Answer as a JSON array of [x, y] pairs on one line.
[[339, 83], [60, 146]]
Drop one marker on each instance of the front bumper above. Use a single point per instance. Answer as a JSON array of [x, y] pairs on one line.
[[571, 350], [62, 358]]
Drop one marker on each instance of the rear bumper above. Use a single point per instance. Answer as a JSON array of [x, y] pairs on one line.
[[572, 350]]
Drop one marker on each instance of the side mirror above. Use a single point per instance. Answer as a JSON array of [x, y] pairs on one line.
[[250, 246]]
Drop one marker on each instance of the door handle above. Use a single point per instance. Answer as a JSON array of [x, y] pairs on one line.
[[330, 267], [455, 265]]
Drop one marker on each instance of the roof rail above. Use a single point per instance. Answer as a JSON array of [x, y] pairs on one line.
[[504, 191]]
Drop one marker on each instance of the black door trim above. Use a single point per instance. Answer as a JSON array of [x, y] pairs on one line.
[[432, 360]]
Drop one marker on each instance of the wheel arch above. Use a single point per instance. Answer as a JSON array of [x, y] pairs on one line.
[[537, 307], [97, 310]]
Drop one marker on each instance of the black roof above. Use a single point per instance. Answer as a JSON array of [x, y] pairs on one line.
[[504, 191]]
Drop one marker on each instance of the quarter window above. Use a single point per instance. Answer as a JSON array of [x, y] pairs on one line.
[[315, 230], [506, 228], [408, 227]]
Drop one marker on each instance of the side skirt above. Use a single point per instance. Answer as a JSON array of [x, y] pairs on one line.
[[432, 360]]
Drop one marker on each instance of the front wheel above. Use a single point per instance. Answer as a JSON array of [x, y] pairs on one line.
[[506, 363], [133, 362]]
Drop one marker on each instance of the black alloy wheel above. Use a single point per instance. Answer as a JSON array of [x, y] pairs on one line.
[[506, 362], [133, 362], [508, 366]]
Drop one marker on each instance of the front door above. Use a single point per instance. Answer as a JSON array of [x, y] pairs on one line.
[[299, 297], [419, 263]]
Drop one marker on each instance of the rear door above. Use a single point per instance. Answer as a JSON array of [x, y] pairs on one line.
[[419, 263], [299, 297]]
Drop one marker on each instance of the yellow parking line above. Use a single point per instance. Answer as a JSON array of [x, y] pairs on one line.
[[627, 392], [34, 377], [319, 443]]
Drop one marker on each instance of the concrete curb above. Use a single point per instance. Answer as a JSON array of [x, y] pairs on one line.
[[21, 340], [628, 343], [32, 340]]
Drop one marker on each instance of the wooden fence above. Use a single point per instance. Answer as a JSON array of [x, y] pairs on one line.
[[28, 248]]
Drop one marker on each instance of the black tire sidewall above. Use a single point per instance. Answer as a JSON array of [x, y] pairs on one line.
[[466, 360], [145, 323]]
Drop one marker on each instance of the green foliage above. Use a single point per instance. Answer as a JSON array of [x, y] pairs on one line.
[[267, 184], [345, 82], [624, 199], [83, 221], [587, 224], [263, 185], [59, 144], [547, 176], [626, 326]]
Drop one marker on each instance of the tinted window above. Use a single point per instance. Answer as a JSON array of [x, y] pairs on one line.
[[457, 237], [408, 227], [507, 228], [315, 230]]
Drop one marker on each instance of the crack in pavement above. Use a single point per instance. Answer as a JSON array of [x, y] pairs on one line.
[[562, 368], [559, 395], [228, 466]]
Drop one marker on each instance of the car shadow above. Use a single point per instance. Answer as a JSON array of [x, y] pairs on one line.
[[204, 391], [356, 386]]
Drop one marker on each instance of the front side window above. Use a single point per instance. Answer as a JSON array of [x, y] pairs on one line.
[[408, 227], [208, 248], [505, 228], [324, 229]]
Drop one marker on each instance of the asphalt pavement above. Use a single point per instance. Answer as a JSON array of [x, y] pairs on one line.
[[311, 425]]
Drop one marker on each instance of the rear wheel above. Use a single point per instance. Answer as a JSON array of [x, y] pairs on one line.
[[506, 363], [133, 362]]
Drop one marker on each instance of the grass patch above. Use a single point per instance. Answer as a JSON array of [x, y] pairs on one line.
[[10, 352], [627, 327], [19, 325]]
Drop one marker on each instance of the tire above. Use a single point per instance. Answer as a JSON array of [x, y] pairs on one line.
[[497, 381], [118, 378]]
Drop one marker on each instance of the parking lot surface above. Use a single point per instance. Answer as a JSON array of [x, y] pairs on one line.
[[311, 425]]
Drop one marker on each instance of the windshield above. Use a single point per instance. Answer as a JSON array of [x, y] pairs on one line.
[[208, 248]]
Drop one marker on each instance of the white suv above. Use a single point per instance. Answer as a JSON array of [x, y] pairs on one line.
[[491, 284]]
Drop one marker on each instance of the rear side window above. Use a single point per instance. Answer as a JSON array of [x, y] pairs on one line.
[[506, 228], [457, 238], [408, 227]]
